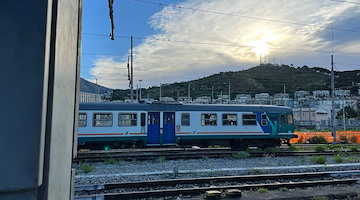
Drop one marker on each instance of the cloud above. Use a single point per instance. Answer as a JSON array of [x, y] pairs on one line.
[[223, 35]]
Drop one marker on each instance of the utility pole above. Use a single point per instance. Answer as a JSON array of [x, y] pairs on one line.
[[160, 93], [229, 92], [333, 130], [212, 93], [189, 92], [140, 89], [131, 74]]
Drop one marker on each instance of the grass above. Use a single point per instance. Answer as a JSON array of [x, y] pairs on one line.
[[319, 198], [254, 171], [87, 168], [161, 159], [338, 159], [111, 161], [284, 189], [319, 149], [263, 190], [240, 155], [318, 159], [271, 150]]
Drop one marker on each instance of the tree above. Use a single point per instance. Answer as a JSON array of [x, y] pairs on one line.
[[349, 113]]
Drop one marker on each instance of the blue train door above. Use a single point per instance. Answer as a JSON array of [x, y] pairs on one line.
[[274, 122], [168, 128], [153, 133]]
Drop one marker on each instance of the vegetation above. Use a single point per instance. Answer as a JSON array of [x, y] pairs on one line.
[[354, 149], [319, 149], [338, 159], [318, 140], [87, 168], [271, 149], [349, 113], [161, 159], [254, 171], [111, 161], [240, 155], [318, 159], [265, 77], [263, 190], [319, 198], [284, 189], [303, 159]]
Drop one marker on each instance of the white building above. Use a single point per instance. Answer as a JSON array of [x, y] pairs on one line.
[[301, 94], [321, 94], [203, 100], [342, 93], [90, 97]]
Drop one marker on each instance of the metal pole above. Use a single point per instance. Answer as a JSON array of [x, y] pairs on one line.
[[131, 74], [333, 130], [140, 90]]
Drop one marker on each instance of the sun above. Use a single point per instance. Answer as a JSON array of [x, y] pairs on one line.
[[260, 47], [260, 42]]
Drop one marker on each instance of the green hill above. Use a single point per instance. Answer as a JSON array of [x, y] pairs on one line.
[[264, 78]]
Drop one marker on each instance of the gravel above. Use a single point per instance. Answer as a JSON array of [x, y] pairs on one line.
[[164, 169]]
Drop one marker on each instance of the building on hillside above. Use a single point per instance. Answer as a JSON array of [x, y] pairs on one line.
[[244, 99], [166, 99], [203, 100], [90, 97], [262, 99], [311, 117], [301, 94], [342, 93], [320, 94], [185, 100]]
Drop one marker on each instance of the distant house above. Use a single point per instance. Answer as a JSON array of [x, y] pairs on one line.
[[90, 97]]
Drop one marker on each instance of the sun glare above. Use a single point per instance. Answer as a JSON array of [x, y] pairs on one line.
[[261, 41]]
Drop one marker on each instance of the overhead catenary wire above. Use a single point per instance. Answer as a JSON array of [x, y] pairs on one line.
[[244, 16], [232, 45]]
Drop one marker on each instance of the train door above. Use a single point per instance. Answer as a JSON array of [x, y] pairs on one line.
[[153, 134], [274, 122], [168, 128]]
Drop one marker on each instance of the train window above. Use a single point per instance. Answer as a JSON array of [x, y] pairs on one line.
[[127, 119], [290, 119], [229, 119], [82, 119], [208, 120], [264, 121], [249, 119], [103, 119], [143, 119], [185, 119], [282, 119]]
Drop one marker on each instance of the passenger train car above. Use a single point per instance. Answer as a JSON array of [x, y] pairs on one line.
[[161, 124]]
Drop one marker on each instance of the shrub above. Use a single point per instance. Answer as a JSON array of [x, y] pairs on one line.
[[318, 159], [240, 155], [284, 189], [338, 159], [161, 159], [111, 161], [318, 140], [319, 198], [271, 150], [263, 190], [353, 139], [319, 149], [87, 168], [344, 139], [293, 148], [353, 148]]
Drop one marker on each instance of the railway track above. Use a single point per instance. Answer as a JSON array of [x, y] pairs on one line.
[[221, 185], [186, 153]]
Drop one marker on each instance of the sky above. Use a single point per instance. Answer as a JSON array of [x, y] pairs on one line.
[[182, 40]]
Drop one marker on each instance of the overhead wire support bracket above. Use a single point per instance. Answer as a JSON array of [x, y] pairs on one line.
[[111, 14]]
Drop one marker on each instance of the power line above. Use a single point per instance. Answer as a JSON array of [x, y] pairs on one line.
[[351, 2], [232, 45], [243, 16]]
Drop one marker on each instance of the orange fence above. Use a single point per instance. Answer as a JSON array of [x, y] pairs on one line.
[[352, 136]]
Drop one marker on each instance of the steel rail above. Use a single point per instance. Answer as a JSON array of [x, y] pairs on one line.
[[211, 180]]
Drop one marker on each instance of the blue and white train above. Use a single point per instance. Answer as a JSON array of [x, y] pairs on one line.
[[162, 124]]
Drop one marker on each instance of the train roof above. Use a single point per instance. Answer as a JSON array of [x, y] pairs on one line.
[[183, 107]]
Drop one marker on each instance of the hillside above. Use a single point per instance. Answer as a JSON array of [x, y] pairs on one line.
[[89, 87], [264, 78]]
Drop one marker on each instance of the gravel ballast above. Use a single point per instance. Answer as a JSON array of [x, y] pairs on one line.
[[122, 171]]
